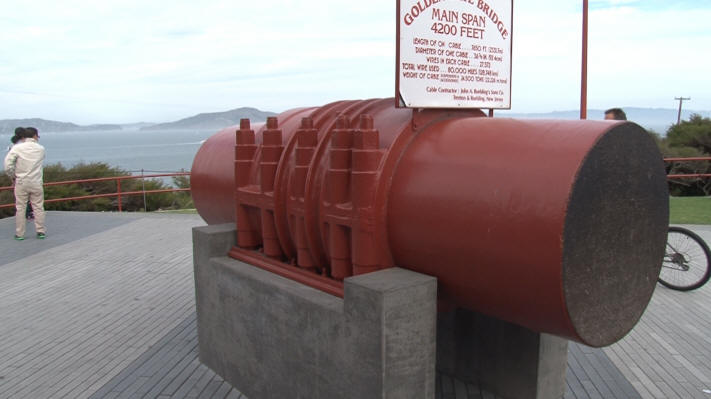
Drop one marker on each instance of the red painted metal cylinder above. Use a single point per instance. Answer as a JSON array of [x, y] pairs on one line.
[[212, 176], [558, 226]]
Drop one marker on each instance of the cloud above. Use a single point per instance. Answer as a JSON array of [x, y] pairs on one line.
[[637, 55], [122, 61]]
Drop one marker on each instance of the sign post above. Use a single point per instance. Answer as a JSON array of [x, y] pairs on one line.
[[454, 54]]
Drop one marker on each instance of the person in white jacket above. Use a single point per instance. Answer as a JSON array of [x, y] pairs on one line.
[[24, 164]]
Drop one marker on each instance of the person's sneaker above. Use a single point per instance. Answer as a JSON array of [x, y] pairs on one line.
[[19, 238], [41, 236]]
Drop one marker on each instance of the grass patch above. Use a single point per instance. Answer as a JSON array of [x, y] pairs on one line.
[[690, 210]]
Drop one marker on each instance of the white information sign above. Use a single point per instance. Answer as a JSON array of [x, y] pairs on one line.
[[454, 53]]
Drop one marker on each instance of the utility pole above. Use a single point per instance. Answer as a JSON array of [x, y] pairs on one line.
[[681, 100]]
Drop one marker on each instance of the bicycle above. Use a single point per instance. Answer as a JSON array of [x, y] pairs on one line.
[[687, 260]]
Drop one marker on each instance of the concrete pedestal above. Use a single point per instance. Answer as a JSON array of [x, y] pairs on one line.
[[271, 337], [510, 360]]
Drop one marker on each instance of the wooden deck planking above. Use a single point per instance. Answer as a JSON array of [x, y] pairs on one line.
[[96, 303], [112, 315], [669, 352], [80, 346]]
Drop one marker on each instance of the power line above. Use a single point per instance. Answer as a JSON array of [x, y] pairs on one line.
[[681, 100]]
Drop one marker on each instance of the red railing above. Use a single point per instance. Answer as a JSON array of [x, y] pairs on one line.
[[118, 193], [690, 175], [119, 179]]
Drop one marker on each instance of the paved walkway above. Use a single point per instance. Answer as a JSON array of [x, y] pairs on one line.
[[104, 308]]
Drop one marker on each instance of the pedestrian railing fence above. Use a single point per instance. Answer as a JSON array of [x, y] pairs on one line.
[[121, 194], [118, 193]]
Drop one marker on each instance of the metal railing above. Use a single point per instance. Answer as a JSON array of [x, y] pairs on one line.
[[688, 175], [119, 194]]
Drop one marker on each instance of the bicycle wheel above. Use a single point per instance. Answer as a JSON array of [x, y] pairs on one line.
[[686, 260]]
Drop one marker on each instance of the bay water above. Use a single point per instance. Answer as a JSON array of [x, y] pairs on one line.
[[150, 151]]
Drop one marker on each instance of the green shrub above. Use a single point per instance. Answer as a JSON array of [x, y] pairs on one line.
[[688, 139], [57, 172]]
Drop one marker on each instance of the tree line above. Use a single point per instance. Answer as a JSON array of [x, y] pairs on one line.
[[129, 203]]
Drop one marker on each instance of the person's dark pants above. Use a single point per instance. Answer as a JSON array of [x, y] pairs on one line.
[[28, 212]]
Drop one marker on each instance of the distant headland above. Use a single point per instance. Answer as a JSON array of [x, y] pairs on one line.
[[204, 121], [656, 119], [214, 120]]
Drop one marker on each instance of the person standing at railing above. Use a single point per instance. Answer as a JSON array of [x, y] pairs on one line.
[[14, 140], [615, 114], [24, 165]]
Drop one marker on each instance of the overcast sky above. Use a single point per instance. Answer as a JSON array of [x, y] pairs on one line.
[[123, 61]]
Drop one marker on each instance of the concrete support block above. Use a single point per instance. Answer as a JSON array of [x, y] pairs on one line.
[[213, 240], [509, 360], [271, 337]]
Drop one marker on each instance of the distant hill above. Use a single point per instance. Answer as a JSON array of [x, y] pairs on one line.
[[136, 126], [7, 126], [214, 120], [657, 119]]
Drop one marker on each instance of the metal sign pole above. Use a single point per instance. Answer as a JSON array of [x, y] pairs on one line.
[[584, 74]]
